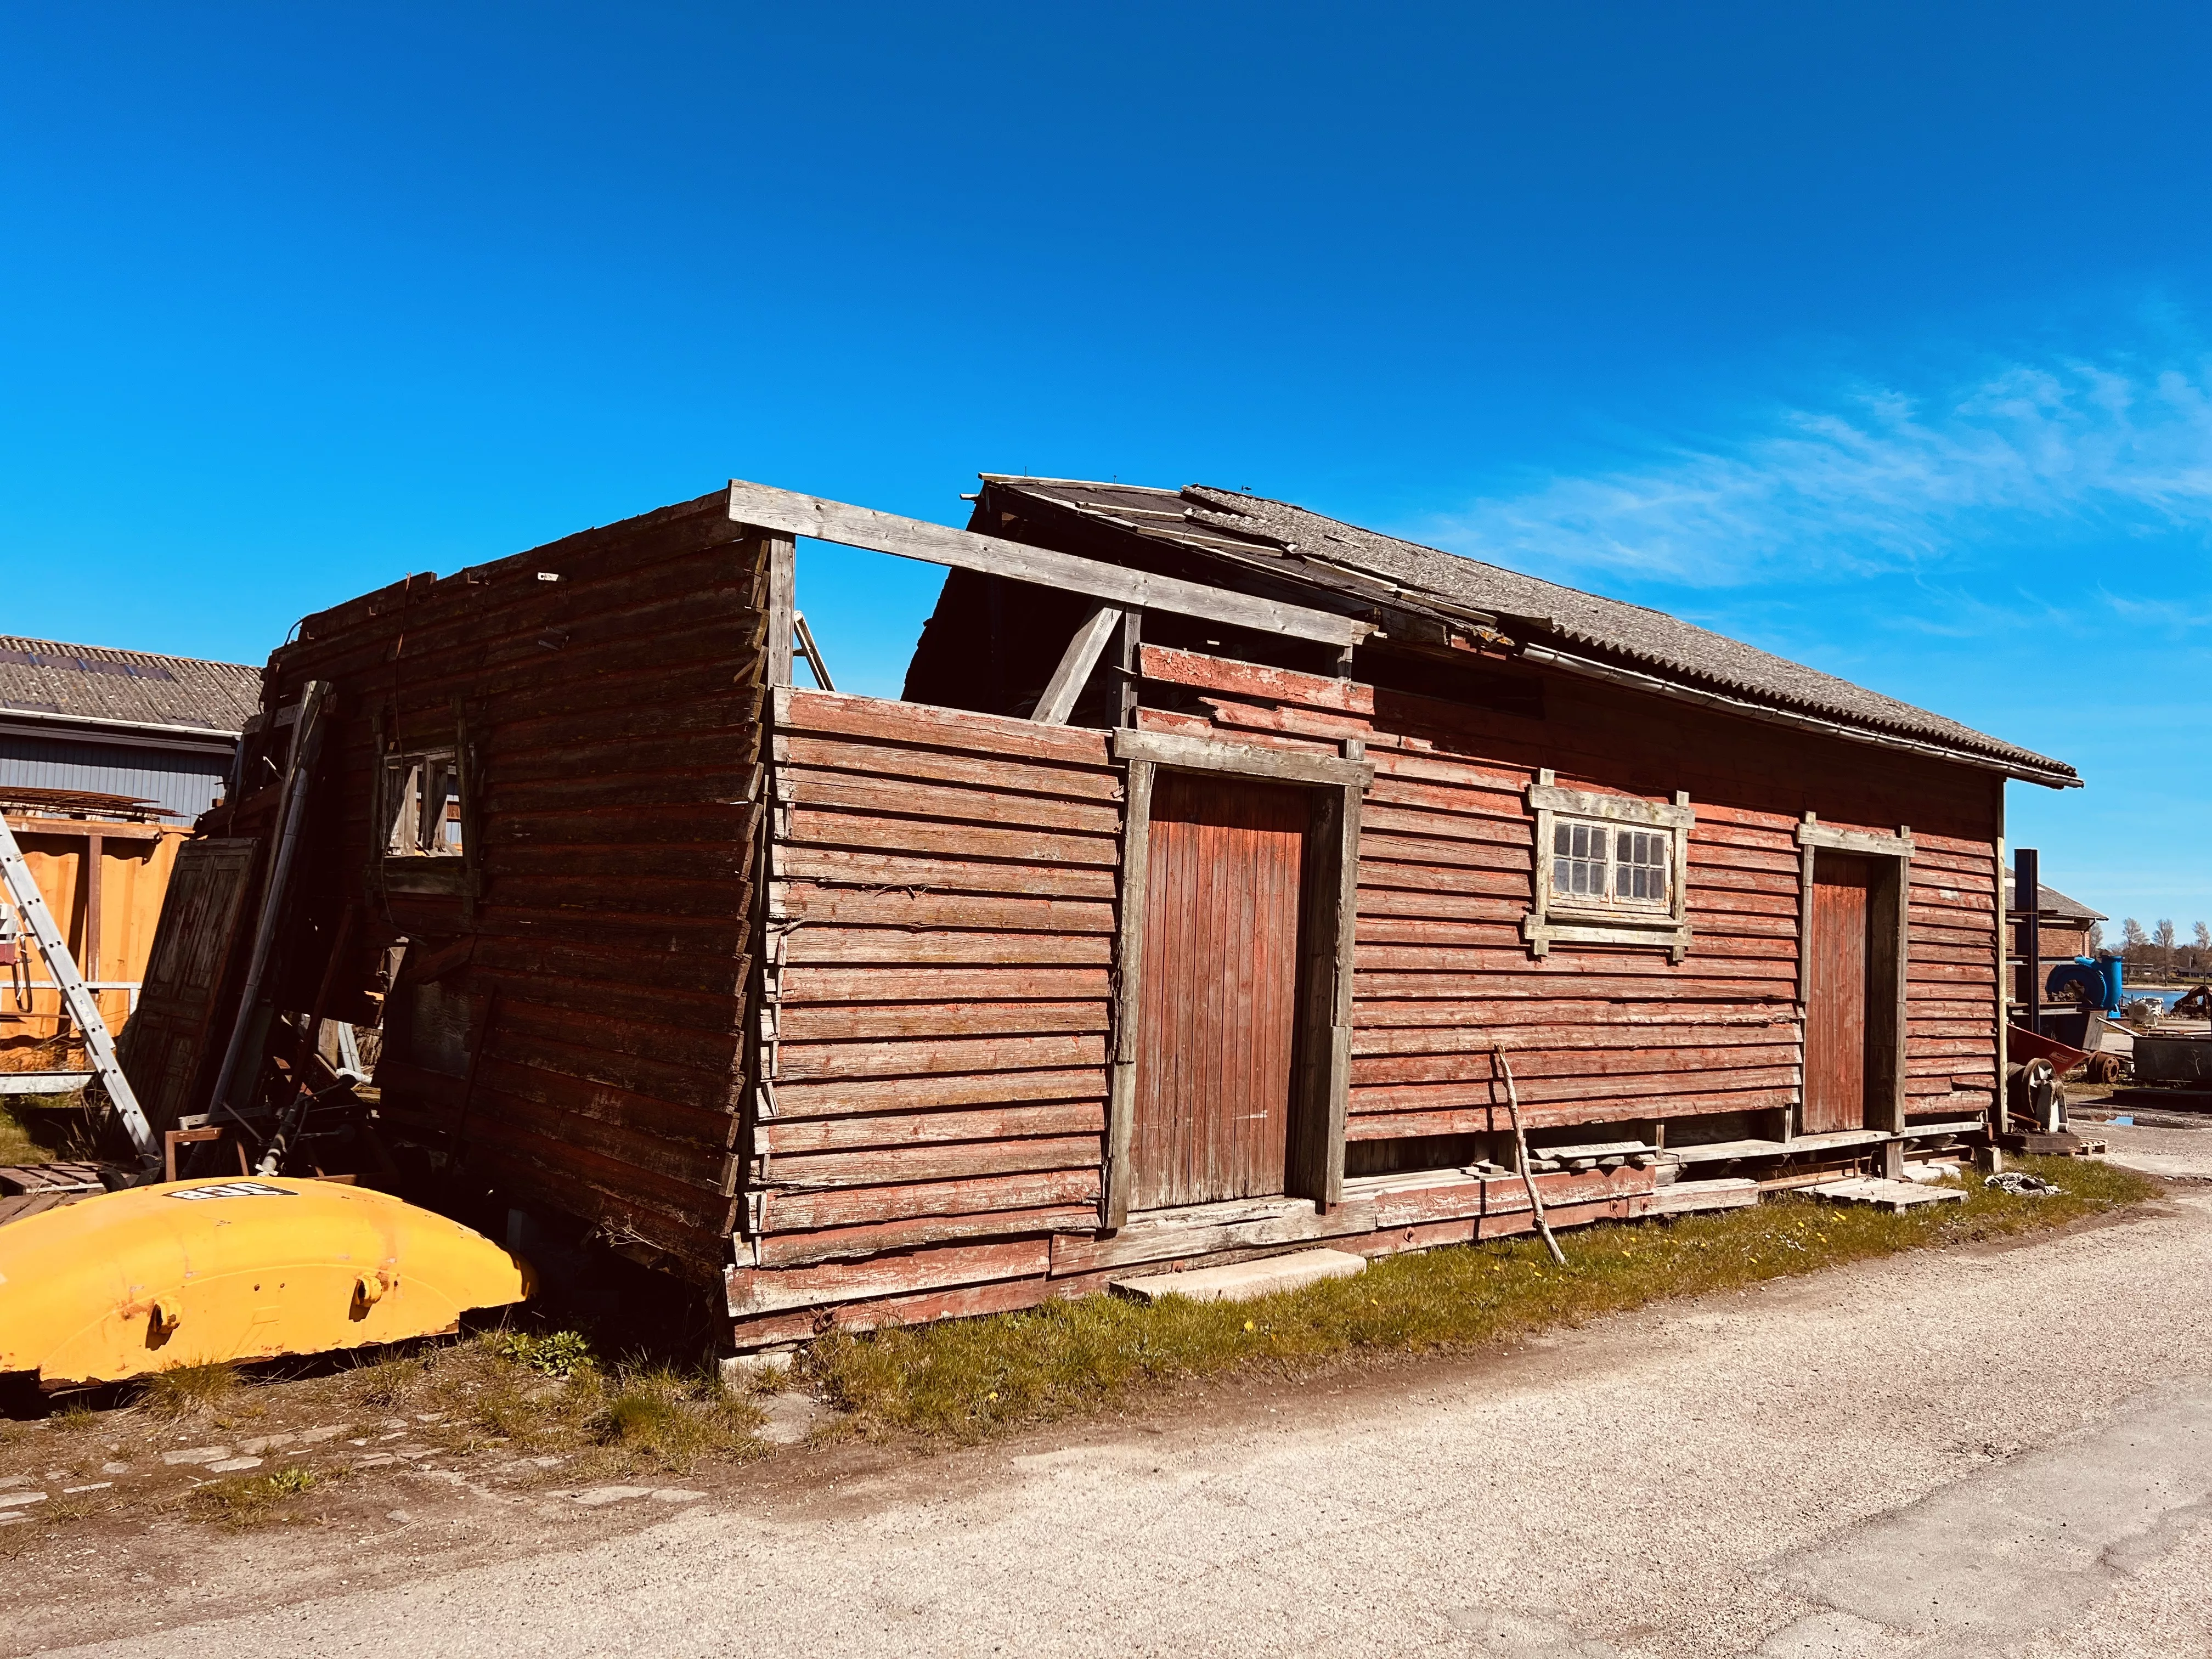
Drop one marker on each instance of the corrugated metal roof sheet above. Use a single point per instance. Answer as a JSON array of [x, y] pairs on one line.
[[46, 676], [1633, 635]]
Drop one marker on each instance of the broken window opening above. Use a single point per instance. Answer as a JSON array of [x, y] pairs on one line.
[[422, 791]]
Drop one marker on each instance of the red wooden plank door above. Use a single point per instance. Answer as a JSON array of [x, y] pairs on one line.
[[1837, 1000], [1217, 1016]]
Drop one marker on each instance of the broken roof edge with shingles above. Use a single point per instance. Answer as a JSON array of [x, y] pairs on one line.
[[2053, 905], [1634, 638]]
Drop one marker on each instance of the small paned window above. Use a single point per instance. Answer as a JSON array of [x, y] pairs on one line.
[[423, 795], [1610, 871], [1641, 861], [1603, 863], [1579, 859]]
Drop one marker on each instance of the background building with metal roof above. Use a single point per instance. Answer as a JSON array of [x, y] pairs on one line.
[[90, 718]]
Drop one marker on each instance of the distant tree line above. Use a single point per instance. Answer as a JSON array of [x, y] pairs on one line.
[[2160, 950]]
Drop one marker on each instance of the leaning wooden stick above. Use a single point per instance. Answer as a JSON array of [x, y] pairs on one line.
[[1521, 1146]]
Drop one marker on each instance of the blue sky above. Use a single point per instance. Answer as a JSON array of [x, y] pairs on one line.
[[1878, 336]]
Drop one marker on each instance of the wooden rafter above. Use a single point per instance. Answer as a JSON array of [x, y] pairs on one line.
[[789, 514]]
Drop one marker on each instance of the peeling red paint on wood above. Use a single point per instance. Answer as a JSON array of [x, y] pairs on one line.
[[1218, 1014]]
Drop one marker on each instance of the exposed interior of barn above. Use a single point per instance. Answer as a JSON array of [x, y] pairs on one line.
[[1227, 879]]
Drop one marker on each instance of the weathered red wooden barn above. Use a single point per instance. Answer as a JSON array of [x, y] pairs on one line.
[[1195, 902]]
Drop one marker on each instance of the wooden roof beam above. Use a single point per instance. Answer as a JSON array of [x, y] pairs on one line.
[[793, 514]]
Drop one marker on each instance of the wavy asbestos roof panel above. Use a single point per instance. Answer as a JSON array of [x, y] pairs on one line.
[[1631, 635], [95, 682]]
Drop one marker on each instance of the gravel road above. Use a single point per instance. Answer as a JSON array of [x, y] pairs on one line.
[[1995, 1450]]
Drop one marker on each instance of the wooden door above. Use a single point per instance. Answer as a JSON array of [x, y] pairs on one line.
[[1837, 1001], [163, 1049], [1217, 1016]]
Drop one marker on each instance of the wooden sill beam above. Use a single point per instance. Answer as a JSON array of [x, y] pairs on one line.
[[793, 514]]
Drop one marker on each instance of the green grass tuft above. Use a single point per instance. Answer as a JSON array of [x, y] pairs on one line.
[[673, 1421], [246, 1499], [559, 1354], [17, 1145], [969, 1379], [42, 1129], [189, 1388]]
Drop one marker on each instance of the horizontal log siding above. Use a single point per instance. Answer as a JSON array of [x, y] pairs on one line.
[[615, 716], [943, 904], [1596, 1033], [1951, 918], [933, 1030]]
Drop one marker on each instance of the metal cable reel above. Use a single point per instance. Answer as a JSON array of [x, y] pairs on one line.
[[2032, 1092]]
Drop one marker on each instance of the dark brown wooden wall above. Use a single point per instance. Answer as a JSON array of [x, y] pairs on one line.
[[597, 1015]]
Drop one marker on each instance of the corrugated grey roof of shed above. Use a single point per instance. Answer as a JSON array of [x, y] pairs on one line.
[[1631, 634], [97, 682]]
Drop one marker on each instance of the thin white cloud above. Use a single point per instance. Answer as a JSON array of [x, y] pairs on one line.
[[1882, 480], [2188, 615]]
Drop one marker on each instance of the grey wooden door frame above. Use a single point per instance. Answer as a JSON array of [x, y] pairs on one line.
[[1322, 1077]]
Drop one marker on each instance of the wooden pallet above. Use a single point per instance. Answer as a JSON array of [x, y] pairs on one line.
[[1897, 1196], [26, 1189], [2033, 1144]]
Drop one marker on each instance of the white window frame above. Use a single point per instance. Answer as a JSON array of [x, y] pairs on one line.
[[1586, 919]]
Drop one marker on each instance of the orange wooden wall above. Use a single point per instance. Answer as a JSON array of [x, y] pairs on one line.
[[135, 862]]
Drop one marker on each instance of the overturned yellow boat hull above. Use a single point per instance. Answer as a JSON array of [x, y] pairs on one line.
[[196, 1272]]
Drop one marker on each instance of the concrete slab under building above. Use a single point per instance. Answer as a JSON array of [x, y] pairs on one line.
[[1241, 1281]]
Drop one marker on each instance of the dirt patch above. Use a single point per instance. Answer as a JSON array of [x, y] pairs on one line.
[[504, 1418], [208, 1547]]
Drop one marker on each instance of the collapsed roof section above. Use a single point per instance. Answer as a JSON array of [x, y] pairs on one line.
[[1421, 595]]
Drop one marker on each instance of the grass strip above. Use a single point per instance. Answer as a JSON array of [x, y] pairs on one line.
[[966, 1380], [42, 1129]]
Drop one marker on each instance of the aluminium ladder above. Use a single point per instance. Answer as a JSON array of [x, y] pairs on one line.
[[76, 996]]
